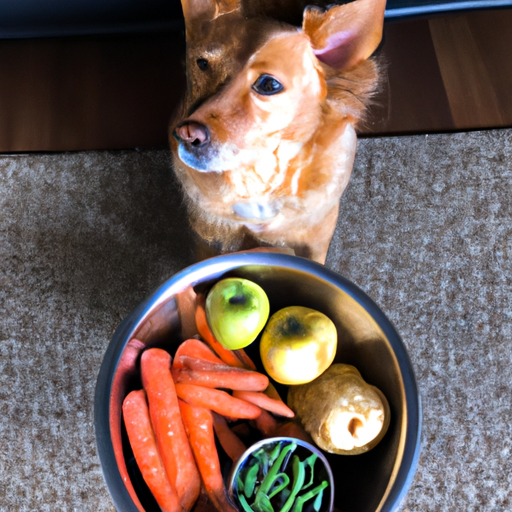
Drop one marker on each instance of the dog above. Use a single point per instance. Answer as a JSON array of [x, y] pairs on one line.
[[264, 141]]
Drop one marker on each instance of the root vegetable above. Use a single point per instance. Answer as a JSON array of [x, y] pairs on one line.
[[195, 349], [168, 426], [199, 425], [218, 401], [143, 444], [265, 402], [342, 412], [229, 441], [228, 379]]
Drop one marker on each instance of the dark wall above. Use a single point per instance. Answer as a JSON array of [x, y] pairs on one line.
[[36, 18]]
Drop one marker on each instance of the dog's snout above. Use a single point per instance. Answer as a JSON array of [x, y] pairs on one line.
[[193, 133]]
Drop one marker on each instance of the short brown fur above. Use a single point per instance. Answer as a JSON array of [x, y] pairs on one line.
[[269, 170]]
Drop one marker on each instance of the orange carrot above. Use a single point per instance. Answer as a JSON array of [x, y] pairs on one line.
[[265, 402], [229, 378], [242, 430], [199, 424], [228, 356], [266, 424], [196, 349], [229, 441], [217, 400], [143, 443], [272, 392], [168, 426], [292, 429], [193, 363], [245, 359]]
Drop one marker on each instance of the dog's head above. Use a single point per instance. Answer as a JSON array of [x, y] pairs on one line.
[[259, 89]]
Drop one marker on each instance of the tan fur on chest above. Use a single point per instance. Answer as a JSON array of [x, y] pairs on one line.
[[265, 143]]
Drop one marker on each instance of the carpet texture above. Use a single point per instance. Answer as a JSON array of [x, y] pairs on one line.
[[425, 229]]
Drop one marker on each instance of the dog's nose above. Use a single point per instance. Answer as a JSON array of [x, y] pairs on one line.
[[193, 133]]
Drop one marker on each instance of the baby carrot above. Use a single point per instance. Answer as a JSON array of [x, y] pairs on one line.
[[272, 392], [245, 359], [230, 379], [195, 349], [199, 424], [193, 363], [217, 400], [265, 402], [143, 443], [168, 426], [229, 441], [292, 429], [266, 424]]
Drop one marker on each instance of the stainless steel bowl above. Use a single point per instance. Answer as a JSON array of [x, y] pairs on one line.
[[375, 481]]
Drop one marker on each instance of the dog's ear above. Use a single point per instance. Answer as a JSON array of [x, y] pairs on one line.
[[345, 35], [207, 10]]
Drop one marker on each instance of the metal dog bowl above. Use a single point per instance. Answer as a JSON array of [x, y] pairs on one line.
[[375, 481]]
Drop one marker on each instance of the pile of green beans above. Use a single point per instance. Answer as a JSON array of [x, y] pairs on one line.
[[274, 479]]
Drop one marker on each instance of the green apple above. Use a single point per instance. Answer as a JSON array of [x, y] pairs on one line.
[[237, 310], [298, 344]]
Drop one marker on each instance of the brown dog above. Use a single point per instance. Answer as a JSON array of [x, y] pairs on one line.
[[265, 143]]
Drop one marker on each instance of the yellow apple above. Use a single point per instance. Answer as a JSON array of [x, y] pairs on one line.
[[297, 345]]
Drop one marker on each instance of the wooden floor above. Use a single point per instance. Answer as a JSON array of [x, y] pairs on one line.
[[451, 72], [444, 73]]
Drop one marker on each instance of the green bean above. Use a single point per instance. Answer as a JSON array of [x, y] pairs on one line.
[[244, 503], [310, 461], [262, 503], [278, 488], [250, 480], [262, 458], [317, 504], [273, 471], [299, 504], [274, 453], [299, 474]]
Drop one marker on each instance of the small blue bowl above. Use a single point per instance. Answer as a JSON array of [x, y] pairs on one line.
[[303, 450]]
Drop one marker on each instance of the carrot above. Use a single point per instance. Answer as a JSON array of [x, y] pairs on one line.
[[245, 359], [272, 392], [241, 430], [230, 379], [196, 349], [266, 424], [265, 402], [229, 441], [217, 400], [193, 363], [199, 425], [228, 356], [166, 419], [292, 429], [143, 443]]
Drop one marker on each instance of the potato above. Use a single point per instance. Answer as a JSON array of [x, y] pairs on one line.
[[342, 413]]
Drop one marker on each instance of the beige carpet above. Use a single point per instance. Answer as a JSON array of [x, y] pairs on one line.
[[425, 229]]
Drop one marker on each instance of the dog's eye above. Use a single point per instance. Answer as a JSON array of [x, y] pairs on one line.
[[202, 64], [267, 85]]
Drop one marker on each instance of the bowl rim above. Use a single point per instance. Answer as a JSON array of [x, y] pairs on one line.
[[218, 265]]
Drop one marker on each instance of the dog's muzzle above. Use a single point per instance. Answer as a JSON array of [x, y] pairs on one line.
[[195, 148]]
